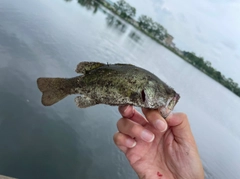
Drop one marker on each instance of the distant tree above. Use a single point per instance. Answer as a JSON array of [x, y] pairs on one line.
[[154, 28], [131, 11], [124, 9], [231, 83], [143, 22], [89, 4], [86, 3], [235, 85], [208, 63], [158, 31], [207, 68], [217, 75], [146, 23]]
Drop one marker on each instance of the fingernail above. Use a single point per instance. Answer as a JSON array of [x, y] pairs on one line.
[[160, 125], [130, 143], [147, 135], [123, 109]]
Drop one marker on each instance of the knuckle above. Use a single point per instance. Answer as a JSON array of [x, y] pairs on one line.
[[121, 109], [128, 127], [126, 111], [130, 115], [152, 114], [134, 129], [120, 123], [117, 138], [183, 115]]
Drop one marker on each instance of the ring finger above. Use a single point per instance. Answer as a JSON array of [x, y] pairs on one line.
[[135, 130], [123, 142]]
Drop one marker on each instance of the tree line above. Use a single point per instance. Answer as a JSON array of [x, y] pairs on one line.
[[156, 30], [145, 23], [206, 67]]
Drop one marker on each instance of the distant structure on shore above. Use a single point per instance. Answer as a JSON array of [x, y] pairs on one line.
[[168, 40]]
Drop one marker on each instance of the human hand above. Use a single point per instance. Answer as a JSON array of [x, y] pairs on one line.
[[158, 148]]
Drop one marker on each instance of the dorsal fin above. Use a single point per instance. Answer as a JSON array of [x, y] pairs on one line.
[[84, 67]]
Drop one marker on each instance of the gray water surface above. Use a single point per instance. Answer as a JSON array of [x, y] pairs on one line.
[[49, 38]]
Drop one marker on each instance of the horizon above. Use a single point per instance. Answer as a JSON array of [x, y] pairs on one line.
[[199, 36]]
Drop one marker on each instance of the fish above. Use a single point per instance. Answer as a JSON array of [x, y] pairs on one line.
[[111, 84]]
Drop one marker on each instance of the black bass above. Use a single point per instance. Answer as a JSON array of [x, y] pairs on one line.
[[112, 84]]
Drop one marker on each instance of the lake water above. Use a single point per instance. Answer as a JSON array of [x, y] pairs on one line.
[[49, 38]]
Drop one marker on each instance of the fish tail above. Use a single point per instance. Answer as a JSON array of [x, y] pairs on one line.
[[53, 89]]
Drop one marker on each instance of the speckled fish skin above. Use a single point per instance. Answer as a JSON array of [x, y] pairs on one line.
[[112, 84]]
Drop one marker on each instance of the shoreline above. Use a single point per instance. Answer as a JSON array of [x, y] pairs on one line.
[[105, 4]]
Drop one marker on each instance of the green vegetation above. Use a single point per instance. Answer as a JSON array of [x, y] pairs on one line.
[[124, 9], [154, 29], [205, 66], [158, 33]]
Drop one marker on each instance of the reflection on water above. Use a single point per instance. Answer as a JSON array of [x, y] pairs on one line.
[[31, 139], [133, 35], [89, 4], [113, 22]]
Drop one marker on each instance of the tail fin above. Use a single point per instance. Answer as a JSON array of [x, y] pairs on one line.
[[52, 89]]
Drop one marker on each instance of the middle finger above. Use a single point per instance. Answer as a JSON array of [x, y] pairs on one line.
[[154, 117], [131, 113]]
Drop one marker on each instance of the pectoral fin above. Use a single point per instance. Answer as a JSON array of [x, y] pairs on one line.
[[84, 67]]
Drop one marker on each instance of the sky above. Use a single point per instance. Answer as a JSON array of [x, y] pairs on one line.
[[209, 28]]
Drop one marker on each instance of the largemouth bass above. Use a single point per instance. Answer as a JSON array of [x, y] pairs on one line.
[[112, 84]]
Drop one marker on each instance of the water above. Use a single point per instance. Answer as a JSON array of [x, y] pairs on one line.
[[49, 38]]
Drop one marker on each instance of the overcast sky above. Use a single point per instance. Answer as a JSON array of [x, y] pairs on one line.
[[210, 28]]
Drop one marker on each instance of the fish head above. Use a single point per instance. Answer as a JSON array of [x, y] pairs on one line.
[[163, 99], [170, 104]]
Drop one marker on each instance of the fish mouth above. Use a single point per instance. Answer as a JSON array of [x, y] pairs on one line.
[[166, 110], [172, 101], [176, 98]]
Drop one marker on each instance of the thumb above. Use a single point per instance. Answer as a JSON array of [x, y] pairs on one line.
[[178, 122]]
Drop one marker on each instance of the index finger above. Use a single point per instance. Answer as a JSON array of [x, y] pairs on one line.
[[131, 113]]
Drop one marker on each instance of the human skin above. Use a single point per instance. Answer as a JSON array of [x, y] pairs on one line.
[[157, 148]]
